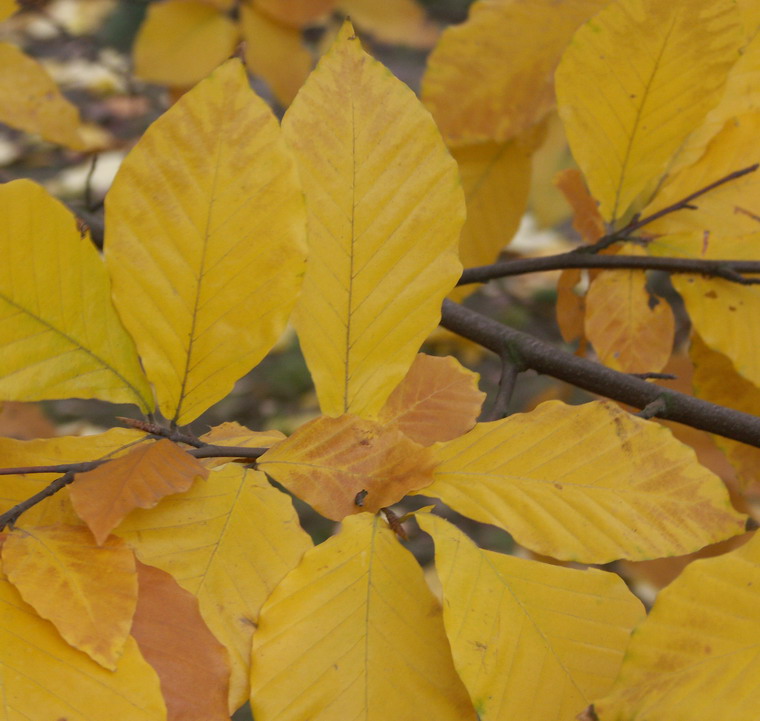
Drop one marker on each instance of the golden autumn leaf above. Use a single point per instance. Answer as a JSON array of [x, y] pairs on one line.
[[7, 8], [353, 632], [41, 676], [529, 640], [296, 13], [172, 636], [438, 400], [31, 101], [397, 22], [571, 306], [233, 434], [671, 672], [275, 52], [588, 483], [181, 41], [61, 336], [330, 462], [229, 541], [88, 592], [546, 201], [103, 496], [385, 209], [684, 49], [496, 182], [498, 65], [587, 220], [205, 246]]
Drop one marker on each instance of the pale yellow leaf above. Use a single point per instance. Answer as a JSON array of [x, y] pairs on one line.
[[229, 540], [588, 483], [88, 592], [529, 640], [31, 101], [204, 241], [348, 465], [296, 13], [192, 664], [42, 677], [438, 400], [496, 182], [490, 78], [103, 496], [697, 655], [626, 112], [385, 211], [60, 334], [275, 52], [397, 22], [181, 41], [7, 8], [354, 633]]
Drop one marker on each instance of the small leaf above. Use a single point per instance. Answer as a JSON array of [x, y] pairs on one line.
[[385, 210], [438, 400], [589, 483], [205, 241], [396, 22], [571, 307], [296, 13], [89, 592], [354, 633], [626, 114], [587, 221], [328, 461], [671, 672], [560, 632], [181, 41], [233, 434], [60, 334], [103, 496], [192, 665]]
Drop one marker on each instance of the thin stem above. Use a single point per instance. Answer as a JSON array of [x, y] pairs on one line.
[[509, 373], [11, 516]]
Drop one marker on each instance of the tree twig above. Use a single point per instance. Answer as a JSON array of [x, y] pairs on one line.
[[11, 516], [509, 372]]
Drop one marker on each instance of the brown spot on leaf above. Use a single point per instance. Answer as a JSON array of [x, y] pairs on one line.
[[711, 294]]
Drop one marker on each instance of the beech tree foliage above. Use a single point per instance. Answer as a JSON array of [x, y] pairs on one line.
[[150, 574]]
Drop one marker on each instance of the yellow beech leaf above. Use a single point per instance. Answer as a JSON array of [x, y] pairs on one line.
[[397, 22], [60, 334], [296, 12], [354, 633], [275, 52], [7, 8], [229, 540], [669, 672], [631, 330], [587, 221], [626, 116], [348, 465], [205, 246], [385, 211], [496, 182], [716, 380], [192, 665], [181, 41], [587, 483], [88, 592], [498, 67], [42, 677], [233, 434], [31, 101], [546, 201], [529, 640], [103, 496], [437, 401]]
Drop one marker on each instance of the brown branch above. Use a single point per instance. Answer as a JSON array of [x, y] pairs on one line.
[[11, 516], [598, 379]]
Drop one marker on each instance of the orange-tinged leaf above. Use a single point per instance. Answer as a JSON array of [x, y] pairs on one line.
[[398, 22], [437, 401], [695, 658], [172, 636], [630, 330], [587, 220], [571, 307], [60, 334], [88, 592], [354, 633], [275, 52], [496, 182], [103, 496], [296, 12], [31, 101], [498, 66], [624, 119], [561, 633], [205, 241], [229, 541], [181, 41], [331, 462], [385, 210], [589, 483], [233, 434], [42, 677]]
